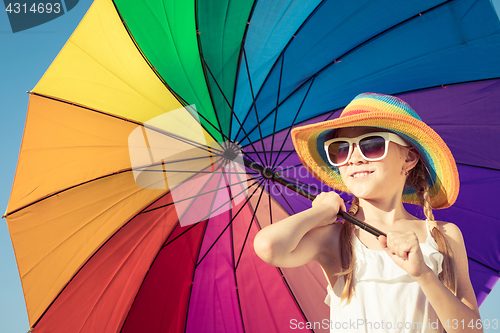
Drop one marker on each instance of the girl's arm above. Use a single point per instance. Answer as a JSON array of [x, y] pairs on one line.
[[456, 313], [298, 239]]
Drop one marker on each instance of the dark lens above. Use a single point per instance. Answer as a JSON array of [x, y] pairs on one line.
[[338, 151], [372, 147]]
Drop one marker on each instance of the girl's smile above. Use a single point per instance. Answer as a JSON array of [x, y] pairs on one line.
[[361, 174]]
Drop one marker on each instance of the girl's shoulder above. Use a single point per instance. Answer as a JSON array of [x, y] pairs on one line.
[[451, 231], [455, 240]]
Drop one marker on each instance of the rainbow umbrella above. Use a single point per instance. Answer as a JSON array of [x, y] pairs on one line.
[[108, 196]]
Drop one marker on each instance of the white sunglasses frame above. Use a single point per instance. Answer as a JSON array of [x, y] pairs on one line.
[[387, 136]]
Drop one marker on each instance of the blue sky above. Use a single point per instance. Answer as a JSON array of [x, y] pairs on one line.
[[24, 57]]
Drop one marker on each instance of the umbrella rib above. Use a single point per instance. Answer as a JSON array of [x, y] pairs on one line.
[[240, 129], [234, 275], [153, 68], [478, 166], [274, 151], [279, 269], [154, 260], [189, 198], [224, 230], [176, 237], [64, 190], [249, 228], [291, 167], [420, 89], [276, 113], [197, 255], [232, 111], [198, 172], [292, 294], [226, 186], [283, 51], [253, 104], [197, 195], [77, 185], [116, 172], [158, 130], [283, 197], [180, 99], [193, 276], [209, 122], [297, 182], [247, 154], [203, 64], [233, 114], [445, 85], [92, 255], [484, 265], [293, 123], [193, 143], [228, 201], [145, 166], [238, 67], [120, 267], [332, 113], [166, 244], [287, 156], [348, 52], [270, 206], [183, 139], [230, 222]]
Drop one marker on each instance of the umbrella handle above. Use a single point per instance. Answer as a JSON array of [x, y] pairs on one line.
[[274, 176]]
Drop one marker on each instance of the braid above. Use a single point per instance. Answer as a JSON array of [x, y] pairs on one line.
[[354, 206], [418, 180], [347, 254]]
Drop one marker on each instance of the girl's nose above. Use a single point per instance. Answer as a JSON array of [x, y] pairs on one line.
[[356, 156]]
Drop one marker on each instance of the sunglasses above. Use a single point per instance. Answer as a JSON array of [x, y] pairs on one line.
[[372, 146]]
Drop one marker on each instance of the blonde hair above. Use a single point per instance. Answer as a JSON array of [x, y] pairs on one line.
[[417, 179]]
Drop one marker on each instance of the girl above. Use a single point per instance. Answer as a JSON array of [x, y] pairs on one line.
[[414, 280]]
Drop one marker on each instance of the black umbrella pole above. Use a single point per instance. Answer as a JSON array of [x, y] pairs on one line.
[[274, 176]]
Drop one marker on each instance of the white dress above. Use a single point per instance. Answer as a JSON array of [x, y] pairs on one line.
[[386, 299]]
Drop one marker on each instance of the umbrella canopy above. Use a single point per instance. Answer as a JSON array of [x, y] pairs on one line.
[[99, 250]]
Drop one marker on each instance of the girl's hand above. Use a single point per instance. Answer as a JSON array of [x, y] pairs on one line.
[[330, 201], [404, 249]]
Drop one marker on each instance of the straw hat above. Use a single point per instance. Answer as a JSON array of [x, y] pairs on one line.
[[392, 114]]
